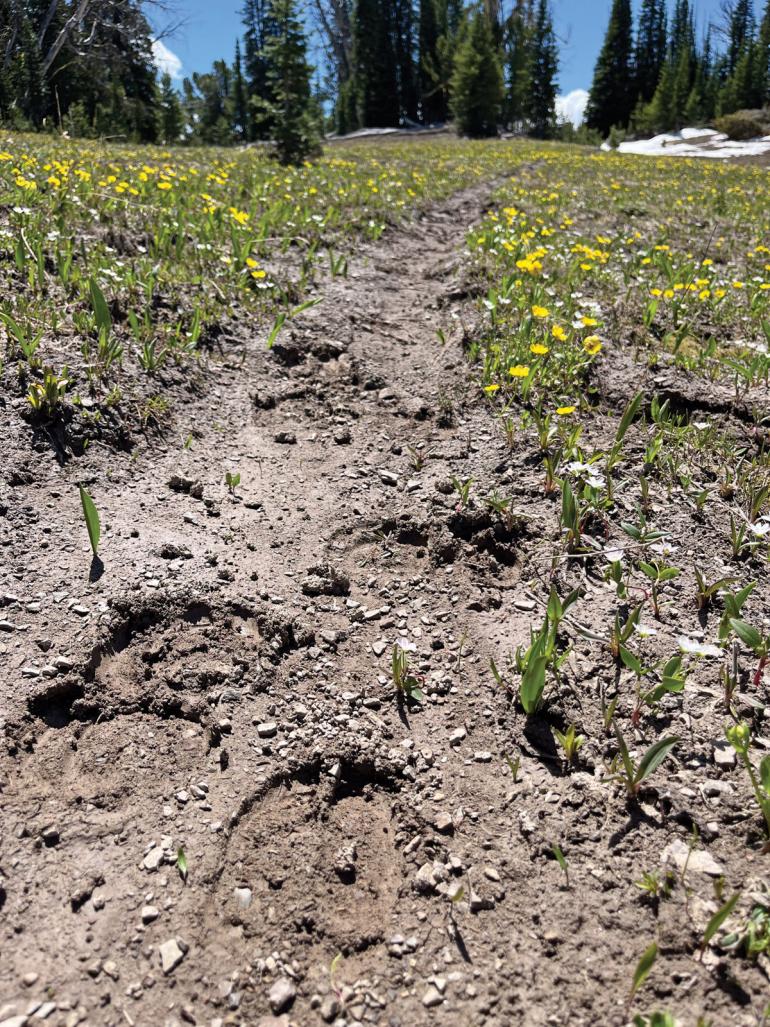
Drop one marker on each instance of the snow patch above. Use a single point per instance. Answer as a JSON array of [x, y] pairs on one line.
[[695, 142]]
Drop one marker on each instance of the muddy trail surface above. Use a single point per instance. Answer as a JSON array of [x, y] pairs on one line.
[[216, 808]]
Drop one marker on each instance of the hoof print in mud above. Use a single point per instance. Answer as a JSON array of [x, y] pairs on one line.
[[316, 851]]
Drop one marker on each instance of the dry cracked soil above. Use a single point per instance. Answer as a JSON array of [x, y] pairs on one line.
[[222, 686]]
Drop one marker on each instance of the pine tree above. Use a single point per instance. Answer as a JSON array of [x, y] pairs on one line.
[[290, 109], [660, 114], [258, 28], [240, 97], [518, 46], [375, 73], [543, 68], [762, 59], [611, 99], [477, 81], [172, 119], [741, 33], [650, 53]]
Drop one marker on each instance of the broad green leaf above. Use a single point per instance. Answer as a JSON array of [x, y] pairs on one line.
[[653, 758], [643, 967], [101, 310], [630, 413], [746, 633], [92, 519], [306, 306], [718, 919], [278, 324], [764, 773], [631, 661], [533, 684]]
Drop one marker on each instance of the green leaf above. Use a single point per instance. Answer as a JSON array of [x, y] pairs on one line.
[[181, 863], [653, 758], [92, 519], [631, 661], [555, 609], [306, 306], [630, 413], [643, 967], [764, 773], [278, 324], [335, 964], [717, 920], [533, 684], [746, 633], [101, 310], [496, 674], [513, 766]]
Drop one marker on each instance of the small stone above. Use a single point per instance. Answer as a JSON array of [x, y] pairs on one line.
[[15, 1021], [282, 995], [432, 997], [268, 729], [478, 902], [286, 438], [330, 1008], [388, 477], [153, 859], [50, 836], [724, 755], [700, 861], [171, 955], [378, 648], [482, 757], [29, 979], [44, 1011], [444, 823], [457, 736], [242, 897], [149, 913]]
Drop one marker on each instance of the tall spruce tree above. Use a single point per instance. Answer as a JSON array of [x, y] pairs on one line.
[[290, 109], [518, 40], [375, 69], [477, 82], [543, 69], [171, 115], [650, 52], [240, 97], [611, 99]]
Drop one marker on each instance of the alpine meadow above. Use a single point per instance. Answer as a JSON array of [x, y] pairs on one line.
[[385, 513]]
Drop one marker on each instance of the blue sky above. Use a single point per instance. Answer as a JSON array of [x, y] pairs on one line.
[[212, 27]]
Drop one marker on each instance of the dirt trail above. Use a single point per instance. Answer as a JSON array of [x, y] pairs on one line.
[[224, 687]]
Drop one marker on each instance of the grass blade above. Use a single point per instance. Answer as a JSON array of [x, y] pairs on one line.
[[643, 968], [91, 515]]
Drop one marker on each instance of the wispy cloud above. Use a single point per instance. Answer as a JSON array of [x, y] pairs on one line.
[[166, 60], [572, 106]]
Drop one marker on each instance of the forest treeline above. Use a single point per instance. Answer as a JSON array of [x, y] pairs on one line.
[[301, 69], [659, 74]]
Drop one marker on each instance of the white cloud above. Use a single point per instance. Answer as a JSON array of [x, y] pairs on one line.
[[166, 60], [572, 106]]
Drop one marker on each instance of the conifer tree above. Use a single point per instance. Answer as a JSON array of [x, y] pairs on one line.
[[375, 75], [518, 45], [290, 107], [477, 82], [172, 118], [650, 52], [240, 96], [611, 99], [543, 68]]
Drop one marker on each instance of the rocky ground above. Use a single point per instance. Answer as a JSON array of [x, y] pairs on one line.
[[222, 687]]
